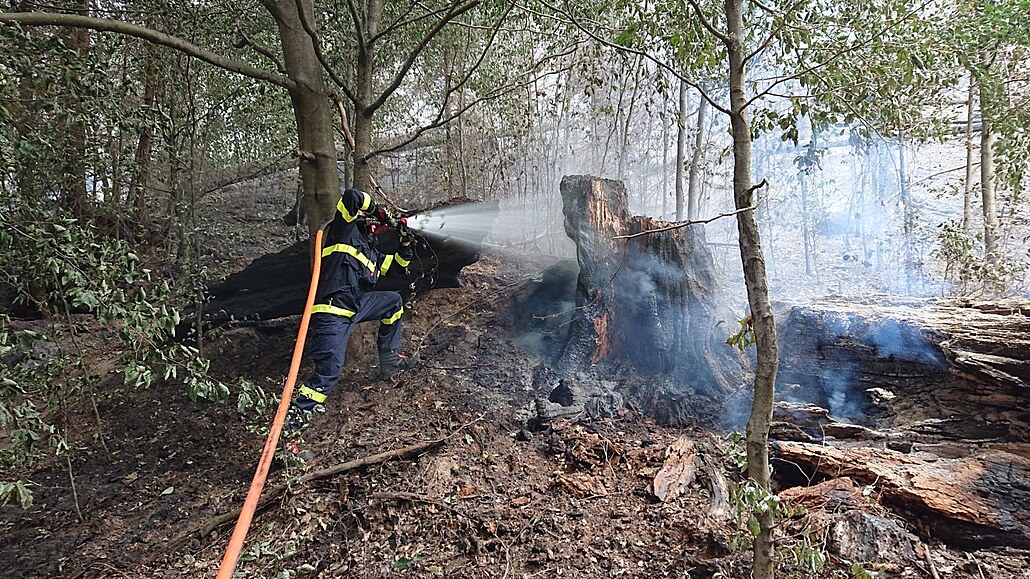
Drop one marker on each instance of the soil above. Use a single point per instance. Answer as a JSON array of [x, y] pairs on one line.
[[572, 497]]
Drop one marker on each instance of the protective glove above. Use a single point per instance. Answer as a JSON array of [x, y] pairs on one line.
[[403, 232], [383, 216]]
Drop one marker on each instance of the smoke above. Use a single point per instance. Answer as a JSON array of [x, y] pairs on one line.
[[901, 341], [828, 358], [843, 400]]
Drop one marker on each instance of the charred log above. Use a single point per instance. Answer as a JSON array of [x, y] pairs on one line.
[[944, 388], [942, 370], [652, 301], [275, 285], [973, 500]]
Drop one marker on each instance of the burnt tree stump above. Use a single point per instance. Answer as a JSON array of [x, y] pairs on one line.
[[653, 301]]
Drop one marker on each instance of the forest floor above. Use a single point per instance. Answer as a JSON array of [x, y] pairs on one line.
[[497, 498]]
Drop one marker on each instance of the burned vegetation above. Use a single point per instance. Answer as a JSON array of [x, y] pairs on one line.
[[589, 443], [887, 411]]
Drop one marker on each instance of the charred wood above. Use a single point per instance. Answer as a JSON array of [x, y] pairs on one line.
[[275, 285], [941, 370], [652, 301], [974, 500]]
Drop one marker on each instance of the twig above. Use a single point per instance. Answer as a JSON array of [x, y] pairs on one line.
[[244, 41], [685, 223], [75, 493], [929, 561], [417, 498], [290, 486], [978, 567], [100, 425]]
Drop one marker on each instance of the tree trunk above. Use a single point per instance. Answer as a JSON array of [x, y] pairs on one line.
[[757, 288], [73, 182], [665, 159], [136, 196], [908, 217], [988, 138], [806, 229], [448, 145], [693, 187], [967, 197], [967, 193], [363, 113], [681, 148], [312, 110]]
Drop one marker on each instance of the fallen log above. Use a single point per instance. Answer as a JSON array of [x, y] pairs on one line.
[[946, 370], [969, 501]]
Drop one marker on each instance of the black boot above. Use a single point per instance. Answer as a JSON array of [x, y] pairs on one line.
[[392, 362]]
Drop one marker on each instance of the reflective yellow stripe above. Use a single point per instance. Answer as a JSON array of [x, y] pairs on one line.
[[367, 201], [312, 394], [351, 251], [390, 320], [343, 211], [327, 309], [386, 264], [401, 261]]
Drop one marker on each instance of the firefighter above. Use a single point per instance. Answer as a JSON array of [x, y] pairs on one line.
[[351, 265]]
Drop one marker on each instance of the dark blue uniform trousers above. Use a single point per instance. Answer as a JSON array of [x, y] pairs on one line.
[[328, 336]]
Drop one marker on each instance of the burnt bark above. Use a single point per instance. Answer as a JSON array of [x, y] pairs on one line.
[[942, 391], [970, 501], [951, 370], [653, 301]]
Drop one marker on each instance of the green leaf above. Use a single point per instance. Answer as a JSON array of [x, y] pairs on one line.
[[753, 527]]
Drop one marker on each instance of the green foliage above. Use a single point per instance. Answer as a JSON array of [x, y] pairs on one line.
[[17, 493], [958, 252], [30, 435], [252, 398], [803, 555], [745, 337], [402, 563]]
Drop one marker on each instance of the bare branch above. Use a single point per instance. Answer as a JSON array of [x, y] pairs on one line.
[[245, 41], [345, 124], [456, 10], [708, 25], [685, 223], [359, 28], [775, 32], [442, 120], [766, 8], [401, 23], [316, 43], [150, 35], [482, 55], [661, 64], [851, 48]]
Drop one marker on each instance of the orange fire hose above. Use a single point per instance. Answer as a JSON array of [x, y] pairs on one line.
[[232, 552]]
